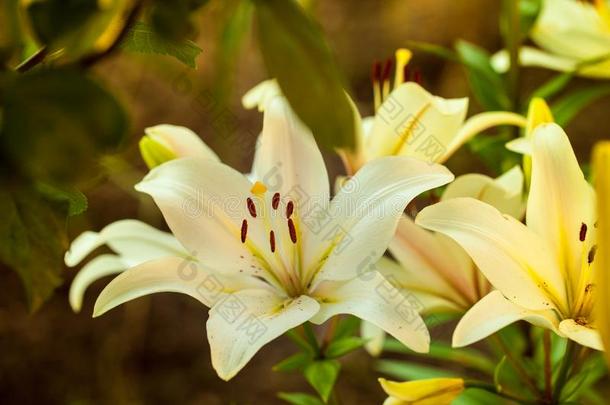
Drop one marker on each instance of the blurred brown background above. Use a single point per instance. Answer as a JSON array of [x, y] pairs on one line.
[[154, 350]]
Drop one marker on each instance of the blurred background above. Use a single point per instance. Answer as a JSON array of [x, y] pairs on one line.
[[154, 350]]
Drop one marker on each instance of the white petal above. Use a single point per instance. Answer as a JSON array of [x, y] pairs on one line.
[[479, 123], [375, 336], [133, 240], [244, 322], [259, 95], [204, 204], [439, 281], [413, 122], [181, 140], [513, 258], [364, 215], [372, 298], [581, 334], [170, 274], [504, 193], [560, 198], [492, 313], [101, 266], [523, 146]]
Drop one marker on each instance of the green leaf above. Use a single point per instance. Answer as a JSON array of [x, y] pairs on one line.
[[141, 38], [553, 86], [403, 370], [347, 326], [295, 53], [75, 200], [592, 371], [299, 398], [475, 396], [341, 347], [491, 149], [433, 49], [529, 10], [57, 123], [297, 361], [486, 84], [302, 342], [567, 107], [32, 242], [322, 375], [467, 357]]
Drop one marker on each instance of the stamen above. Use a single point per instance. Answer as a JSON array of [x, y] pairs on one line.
[[244, 230], [275, 201], [376, 79], [385, 78], [583, 232], [272, 241], [403, 56], [591, 255], [251, 207], [289, 209], [292, 231]]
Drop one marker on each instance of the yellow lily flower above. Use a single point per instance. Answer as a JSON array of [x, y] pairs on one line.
[[409, 121], [433, 391], [271, 251], [544, 271], [447, 282], [601, 165], [569, 33]]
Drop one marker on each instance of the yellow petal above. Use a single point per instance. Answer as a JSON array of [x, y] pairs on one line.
[[538, 113], [585, 335], [601, 167], [439, 391]]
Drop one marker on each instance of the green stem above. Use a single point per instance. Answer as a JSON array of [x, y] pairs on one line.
[[517, 365], [562, 376], [548, 372], [492, 388], [513, 43]]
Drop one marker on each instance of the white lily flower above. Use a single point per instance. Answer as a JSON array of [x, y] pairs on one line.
[[134, 242], [572, 34], [409, 121], [447, 282], [272, 254], [544, 271]]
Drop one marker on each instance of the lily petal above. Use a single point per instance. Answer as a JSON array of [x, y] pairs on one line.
[[411, 120], [492, 313], [514, 259], [364, 214], [204, 203], [259, 95], [133, 240], [170, 274], [584, 335], [372, 298], [181, 140], [101, 266], [523, 146], [560, 199], [247, 320], [479, 123]]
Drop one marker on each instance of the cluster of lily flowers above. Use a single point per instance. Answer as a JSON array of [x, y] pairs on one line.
[[271, 249]]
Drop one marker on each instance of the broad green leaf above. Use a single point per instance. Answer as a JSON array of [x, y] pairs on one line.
[[297, 361], [75, 200], [141, 38], [32, 242], [568, 106], [474, 396], [295, 53], [172, 19], [299, 398], [340, 347], [304, 343], [322, 375], [403, 370], [236, 25], [56, 124], [486, 84]]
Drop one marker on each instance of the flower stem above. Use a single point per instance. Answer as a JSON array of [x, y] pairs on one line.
[[562, 376], [548, 372], [512, 36]]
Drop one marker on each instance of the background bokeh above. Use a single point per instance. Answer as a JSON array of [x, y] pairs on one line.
[[154, 350]]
